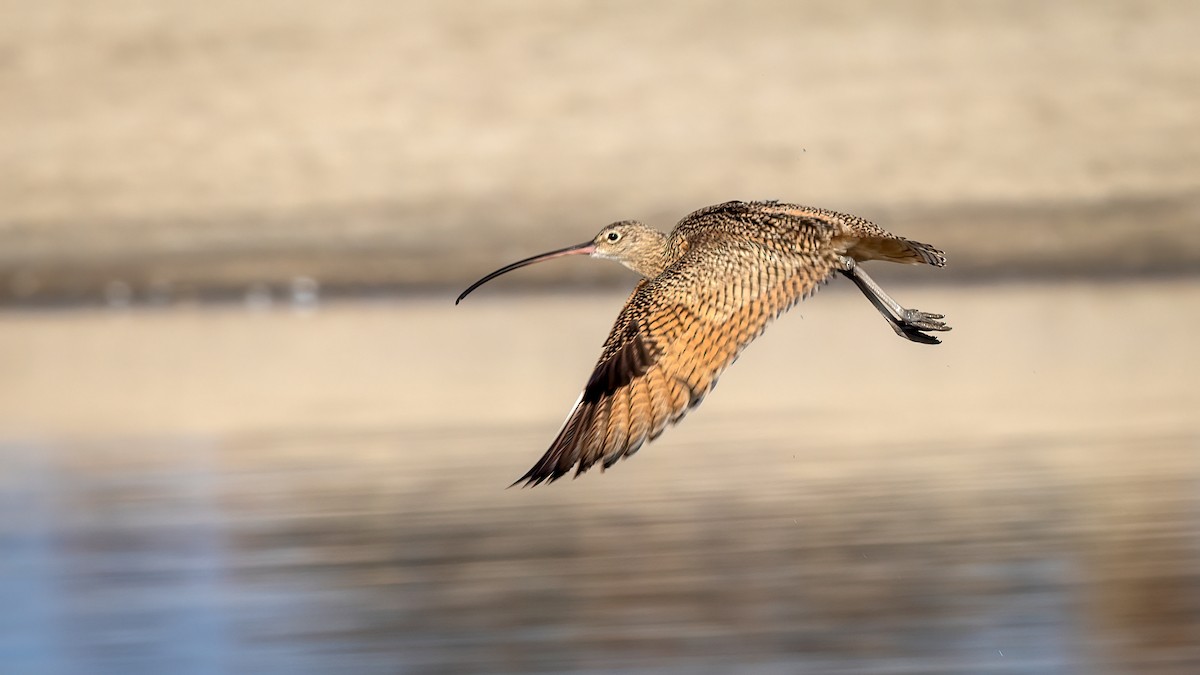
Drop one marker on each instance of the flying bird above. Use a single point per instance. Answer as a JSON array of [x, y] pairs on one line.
[[708, 289]]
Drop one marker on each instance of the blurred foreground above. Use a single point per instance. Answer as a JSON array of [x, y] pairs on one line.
[[230, 489]]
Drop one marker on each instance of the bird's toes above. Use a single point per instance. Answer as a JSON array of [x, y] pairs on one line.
[[915, 318]]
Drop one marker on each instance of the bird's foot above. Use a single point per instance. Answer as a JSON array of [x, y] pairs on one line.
[[908, 323], [914, 321], [915, 318]]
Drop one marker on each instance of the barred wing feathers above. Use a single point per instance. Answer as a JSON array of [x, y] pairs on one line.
[[676, 334]]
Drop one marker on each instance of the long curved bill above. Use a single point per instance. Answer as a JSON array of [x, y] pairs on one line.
[[580, 249]]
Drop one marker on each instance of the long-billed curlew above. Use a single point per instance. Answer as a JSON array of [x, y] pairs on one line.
[[708, 289]]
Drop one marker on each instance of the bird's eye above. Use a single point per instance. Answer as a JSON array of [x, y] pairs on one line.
[[613, 236]]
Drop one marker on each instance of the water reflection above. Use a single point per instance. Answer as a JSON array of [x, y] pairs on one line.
[[312, 554], [214, 490]]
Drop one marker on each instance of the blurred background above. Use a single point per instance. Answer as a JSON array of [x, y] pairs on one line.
[[244, 429]]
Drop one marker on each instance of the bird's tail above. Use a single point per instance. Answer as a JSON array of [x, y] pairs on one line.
[[926, 253], [897, 250]]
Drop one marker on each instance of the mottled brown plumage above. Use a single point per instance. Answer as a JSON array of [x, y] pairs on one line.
[[709, 289]]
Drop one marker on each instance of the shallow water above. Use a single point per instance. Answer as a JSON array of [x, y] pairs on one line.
[[212, 489]]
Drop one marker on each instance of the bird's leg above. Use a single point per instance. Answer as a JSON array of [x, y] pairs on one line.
[[908, 323]]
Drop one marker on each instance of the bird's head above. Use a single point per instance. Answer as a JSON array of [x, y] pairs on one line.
[[623, 240]]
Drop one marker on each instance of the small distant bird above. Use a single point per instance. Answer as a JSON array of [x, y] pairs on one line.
[[708, 289]]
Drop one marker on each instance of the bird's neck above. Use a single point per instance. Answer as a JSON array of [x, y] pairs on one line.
[[652, 257]]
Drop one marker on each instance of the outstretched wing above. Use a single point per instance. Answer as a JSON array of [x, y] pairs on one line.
[[861, 239], [676, 334]]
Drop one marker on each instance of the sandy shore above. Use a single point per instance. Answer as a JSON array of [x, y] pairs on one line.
[[182, 151]]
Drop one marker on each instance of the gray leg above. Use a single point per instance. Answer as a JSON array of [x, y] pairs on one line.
[[908, 323]]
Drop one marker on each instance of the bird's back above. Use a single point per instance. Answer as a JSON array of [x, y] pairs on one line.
[[807, 229]]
